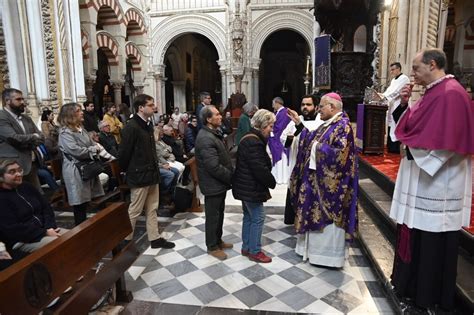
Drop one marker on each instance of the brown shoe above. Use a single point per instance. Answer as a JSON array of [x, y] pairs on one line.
[[218, 253], [225, 245]]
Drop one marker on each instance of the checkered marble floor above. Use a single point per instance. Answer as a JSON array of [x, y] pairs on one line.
[[188, 275]]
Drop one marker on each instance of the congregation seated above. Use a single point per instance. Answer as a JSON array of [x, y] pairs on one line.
[[27, 220], [170, 169], [191, 134], [107, 139], [175, 144]]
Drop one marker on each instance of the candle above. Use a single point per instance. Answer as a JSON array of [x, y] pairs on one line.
[[307, 65]]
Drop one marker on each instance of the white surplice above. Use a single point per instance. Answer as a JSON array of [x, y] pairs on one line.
[[392, 94], [433, 192], [290, 129]]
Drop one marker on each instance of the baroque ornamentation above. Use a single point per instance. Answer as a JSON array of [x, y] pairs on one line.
[[5, 80], [433, 20], [376, 61], [48, 30]]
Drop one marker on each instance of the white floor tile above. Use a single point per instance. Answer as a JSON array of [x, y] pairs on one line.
[[316, 287], [204, 261], [234, 282], [228, 301], [169, 259], [146, 294], [275, 305], [277, 265], [186, 298], [194, 279], [157, 276], [274, 285], [238, 263], [321, 308], [135, 272]]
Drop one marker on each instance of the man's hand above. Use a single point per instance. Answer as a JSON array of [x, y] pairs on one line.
[[294, 116], [166, 166], [405, 94], [53, 232], [5, 255]]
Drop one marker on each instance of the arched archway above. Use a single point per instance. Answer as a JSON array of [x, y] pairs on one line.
[[135, 26], [172, 28], [299, 21], [283, 68], [360, 39], [193, 67]]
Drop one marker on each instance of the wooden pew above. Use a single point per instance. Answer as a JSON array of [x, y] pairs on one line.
[[196, 204], [29, 285], [122, 186]]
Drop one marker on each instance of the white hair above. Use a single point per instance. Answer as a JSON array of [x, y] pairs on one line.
[[262, 119]]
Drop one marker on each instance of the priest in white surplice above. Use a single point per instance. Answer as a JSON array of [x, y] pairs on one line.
[[311, 120], [433, 191], [392, 95]]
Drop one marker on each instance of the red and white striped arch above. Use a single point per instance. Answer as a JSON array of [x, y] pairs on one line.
[[85, 44], [110, 11], [134, 55], [134, 23], [109, 46]]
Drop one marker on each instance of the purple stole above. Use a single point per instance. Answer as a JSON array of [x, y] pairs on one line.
[[274, 143]]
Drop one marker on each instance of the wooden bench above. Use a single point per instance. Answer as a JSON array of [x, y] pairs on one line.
[[30, 284], [196, 204]]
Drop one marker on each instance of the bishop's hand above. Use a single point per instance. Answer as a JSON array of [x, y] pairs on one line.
[[294, 116]]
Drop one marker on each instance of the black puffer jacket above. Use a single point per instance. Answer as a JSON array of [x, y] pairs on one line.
[[213, 162], [253, 173], [137, 154]]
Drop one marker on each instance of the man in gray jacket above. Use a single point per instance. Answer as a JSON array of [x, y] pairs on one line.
[[215, 176], [19, 135]]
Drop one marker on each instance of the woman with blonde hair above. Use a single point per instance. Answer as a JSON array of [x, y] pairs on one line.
[[251, 182], [76, 145]]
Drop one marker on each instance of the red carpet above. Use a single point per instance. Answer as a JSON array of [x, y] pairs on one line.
[[388, 165]]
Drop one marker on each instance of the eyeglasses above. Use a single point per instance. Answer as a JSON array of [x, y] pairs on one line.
[[321, 105], [19, 98], [15, 171]]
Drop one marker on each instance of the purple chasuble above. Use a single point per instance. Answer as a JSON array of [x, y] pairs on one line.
[[274, 143], [328, 194]]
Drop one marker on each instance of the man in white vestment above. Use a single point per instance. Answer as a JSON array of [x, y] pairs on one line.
[[433, 191], [392, 95], [279, 153]]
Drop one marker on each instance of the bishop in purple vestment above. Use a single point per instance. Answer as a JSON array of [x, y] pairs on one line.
[[323, 185]]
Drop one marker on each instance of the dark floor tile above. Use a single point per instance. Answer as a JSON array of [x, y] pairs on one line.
[[209, 292], [291, 257], [231, 238], [152, 266], [168, 289], [135, 285], [217, 271], [375, 288], [296, 298], [181, 268], [267, 229], [341, 301], [295, 275], [289, 230], [290, 242], [358, 261], [143, 260], [201, 227], [191, 252], [335, 277], [252, 295], [266, 240]]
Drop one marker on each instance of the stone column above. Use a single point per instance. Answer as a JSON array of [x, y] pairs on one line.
[[158, 95], [179, 92], [255, 86], [89, 83], [117, 87], [224, 88]]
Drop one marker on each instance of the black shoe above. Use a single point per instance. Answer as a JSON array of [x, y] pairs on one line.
[[161, 243]]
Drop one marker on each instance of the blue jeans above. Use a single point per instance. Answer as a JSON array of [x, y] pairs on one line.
[[252, 226], [168, 179], [46, 177]]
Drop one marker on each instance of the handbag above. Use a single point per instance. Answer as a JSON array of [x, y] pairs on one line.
[[90, 169]]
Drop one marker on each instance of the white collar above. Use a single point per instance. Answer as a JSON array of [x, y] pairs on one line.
[[436, 82], [330, 120]]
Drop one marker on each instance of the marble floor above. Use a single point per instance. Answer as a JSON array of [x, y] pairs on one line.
[[188, 276]]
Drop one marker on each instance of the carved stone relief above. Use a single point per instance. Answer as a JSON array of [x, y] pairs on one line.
[[48, 29], [4, 78]]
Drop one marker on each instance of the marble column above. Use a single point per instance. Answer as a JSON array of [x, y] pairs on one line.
[[255, 86], [89, 83], [117, 87], [224, 88], [158, 95]]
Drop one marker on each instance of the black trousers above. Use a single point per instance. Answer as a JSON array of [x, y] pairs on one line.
[[214, 209], [430, 277], [392, 146]]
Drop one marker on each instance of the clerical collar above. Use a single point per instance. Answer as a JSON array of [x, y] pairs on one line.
[[398, 76], [436, 82]]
